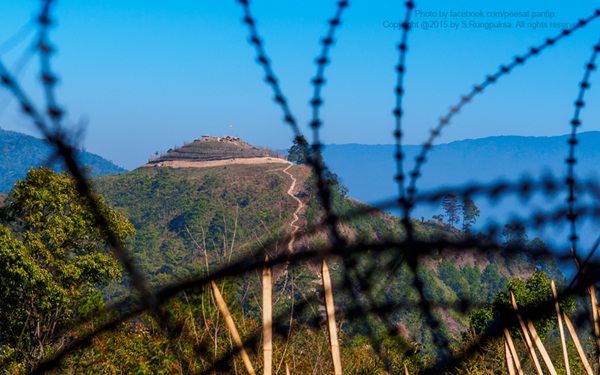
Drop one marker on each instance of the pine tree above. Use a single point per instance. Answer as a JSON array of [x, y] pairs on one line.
[[299, 152], [470, 213], [451, 208], [515, 236]]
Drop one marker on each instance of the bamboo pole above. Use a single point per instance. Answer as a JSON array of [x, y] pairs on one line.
[[592, 292], [541, 348], [267, 328], [287, 369], [231, 325], [406, 370], [510, 363], [330, 309], [580, 350], [513, 351], [530, 348], [561, 329], [594, 302]]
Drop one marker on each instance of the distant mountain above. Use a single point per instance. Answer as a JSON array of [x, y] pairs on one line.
[[19, 152], [368, 170]]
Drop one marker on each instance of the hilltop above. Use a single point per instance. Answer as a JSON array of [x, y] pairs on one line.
[[19, 152], [210, 148]]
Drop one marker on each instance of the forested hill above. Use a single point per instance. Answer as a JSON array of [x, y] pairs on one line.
[[19, 152], [191, 219], [196, 216]]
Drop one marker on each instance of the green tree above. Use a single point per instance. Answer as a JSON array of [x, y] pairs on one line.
[[300, 151], [473, 277], [515, 236], [492, 280], [470, 213], [438, 218], [531, 295], [479, 319], [539, 255], [299, 154], [52, 258], [455, 279], [451, 208]]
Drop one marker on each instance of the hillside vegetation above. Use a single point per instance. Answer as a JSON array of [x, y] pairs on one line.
[[226, 209], [190, 220], [194, 221]]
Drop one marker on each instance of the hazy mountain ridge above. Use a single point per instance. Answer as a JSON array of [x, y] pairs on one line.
[[19, 152], [368, 170]]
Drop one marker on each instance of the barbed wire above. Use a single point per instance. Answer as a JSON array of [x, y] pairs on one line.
[[49, 80], [319, 80], [478, 89], [264, 61], [571, 160], [58, 138], [19, 68], [418, 248], [409, 250], [20, 35], [398, 111], [314, 161]]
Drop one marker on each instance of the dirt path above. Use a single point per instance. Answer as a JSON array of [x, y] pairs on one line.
[[261, 160], [300, 206], [217, 163]]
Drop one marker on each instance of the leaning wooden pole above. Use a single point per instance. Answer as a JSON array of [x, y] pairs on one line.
[[594, 302], [267, 328], [526, 337], [331, 325], [578, 346], [231, 325], [561, 329], [541, 348], [513, 351], [510, 363], [592, 291]]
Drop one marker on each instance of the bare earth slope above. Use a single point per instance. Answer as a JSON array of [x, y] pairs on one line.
[[215, 163]]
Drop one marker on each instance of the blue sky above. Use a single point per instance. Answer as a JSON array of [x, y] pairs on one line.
[[149, 75]]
